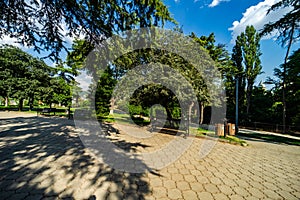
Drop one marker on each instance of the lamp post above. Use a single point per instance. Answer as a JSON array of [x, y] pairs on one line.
[[236, 105]]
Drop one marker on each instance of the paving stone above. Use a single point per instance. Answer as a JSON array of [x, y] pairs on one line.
[[169, 184], [177, 177], [190, 178], [287, 195], [296, 194], [197, 187], [18, 196], [7, 194], [101, 193], [229, 182], [183, 185], [225, 189], [184, 171], [174, 194], [195, 172], [241, 191], [252, 198], [115, 196], [211, 188], [216, 181], [173, 170], [159, 192], [202, 179], [220, 196], [205, 196], [255, 192], [56, 198], [156, 182], [189, 194], [257, 185], [34, 197], [236, 197], [271, 194], [242, 183], [284, 187]]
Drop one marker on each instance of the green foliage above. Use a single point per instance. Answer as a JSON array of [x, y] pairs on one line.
[[288, 25], [245, 57], [53, 20], [24, 77], [292, 77], [262, 102], [103, 93], [21, 75], [138, 110]]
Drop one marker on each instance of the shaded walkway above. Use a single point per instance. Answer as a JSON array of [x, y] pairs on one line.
[[44, 158]]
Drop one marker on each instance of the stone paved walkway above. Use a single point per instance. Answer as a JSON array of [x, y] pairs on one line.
[[43, 158]]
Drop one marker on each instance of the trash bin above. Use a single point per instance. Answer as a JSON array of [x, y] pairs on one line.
[[219, 130], [231, 128]]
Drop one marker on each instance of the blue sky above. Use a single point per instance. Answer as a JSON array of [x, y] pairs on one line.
[[206, 16]]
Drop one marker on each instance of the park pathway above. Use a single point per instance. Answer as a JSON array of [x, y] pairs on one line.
[[44, 158]]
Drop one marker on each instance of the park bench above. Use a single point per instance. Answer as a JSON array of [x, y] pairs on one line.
[[170, 123], [47, 111]]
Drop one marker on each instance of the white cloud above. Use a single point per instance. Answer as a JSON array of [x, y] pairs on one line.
[[216, 2], [257, 16], [84, 80], [8, 40]]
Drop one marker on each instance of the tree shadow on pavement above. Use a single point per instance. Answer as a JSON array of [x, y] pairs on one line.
[[44, 157]]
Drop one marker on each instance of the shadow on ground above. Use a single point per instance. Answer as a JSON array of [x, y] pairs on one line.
[[260, 137], [44, 157]]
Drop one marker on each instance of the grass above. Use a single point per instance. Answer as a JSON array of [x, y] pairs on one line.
[[204, 131], [233, 139], [123, 119], [271, 138], [200, 132], [61, 111]]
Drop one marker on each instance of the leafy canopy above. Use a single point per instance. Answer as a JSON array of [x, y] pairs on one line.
[[44, 24]]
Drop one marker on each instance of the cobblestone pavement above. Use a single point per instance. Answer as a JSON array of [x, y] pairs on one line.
[[43, 158]]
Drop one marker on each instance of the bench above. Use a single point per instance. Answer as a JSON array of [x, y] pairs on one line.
[[46, 111], [169, 123]]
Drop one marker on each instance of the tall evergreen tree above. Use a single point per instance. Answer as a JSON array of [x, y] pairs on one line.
[[288, 27], [246, 53]]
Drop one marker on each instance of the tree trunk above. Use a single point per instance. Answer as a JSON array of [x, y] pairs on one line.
[[112, 106], [249, 93], [20, 104], [69, 112], [6, 101], [190, 111], [201, 110], [169, 113], [31, 103]]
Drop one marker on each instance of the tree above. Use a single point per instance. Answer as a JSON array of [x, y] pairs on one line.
[[292, 77], [222, 59], [289, 32], [263, 101], [141, 57], [104, 92], [237, 59], [21, 75], [44, 24], [247, 49]]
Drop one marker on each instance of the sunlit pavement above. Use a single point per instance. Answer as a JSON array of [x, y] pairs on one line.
[[44, 158]]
